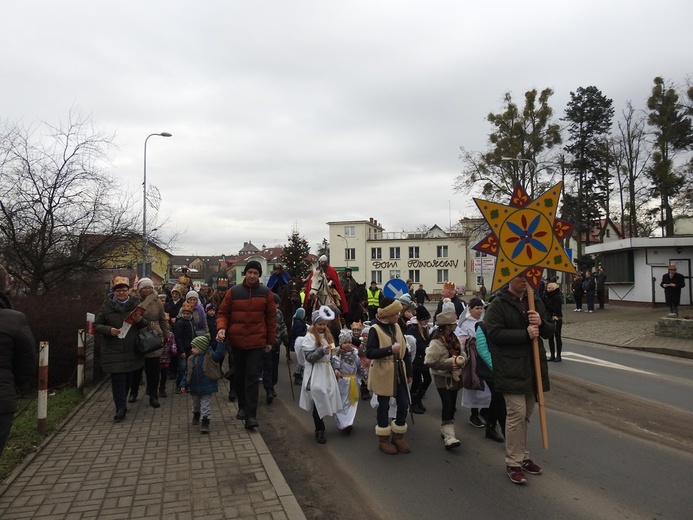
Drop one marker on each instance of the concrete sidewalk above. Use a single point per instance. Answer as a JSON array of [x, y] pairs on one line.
[[154, 464], [625, 326]]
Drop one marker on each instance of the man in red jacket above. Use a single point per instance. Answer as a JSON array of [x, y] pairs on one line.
[[247, 319]]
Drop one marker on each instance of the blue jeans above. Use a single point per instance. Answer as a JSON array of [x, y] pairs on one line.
[[182, 367], [590, 301]]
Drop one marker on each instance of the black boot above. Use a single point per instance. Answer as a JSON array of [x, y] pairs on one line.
[[133, 397], [493, 434], [153, 402], [416, 405], [269, 397], [119, 415], [196, 418], [204, 427]]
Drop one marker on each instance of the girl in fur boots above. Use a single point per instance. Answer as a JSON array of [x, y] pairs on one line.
[[445, 358]]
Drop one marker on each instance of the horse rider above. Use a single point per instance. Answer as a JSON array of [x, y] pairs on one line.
[[278, 279], [333, 281], [348, 283]]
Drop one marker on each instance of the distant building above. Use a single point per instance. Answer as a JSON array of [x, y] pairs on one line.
[[635, 266], [429, 256]]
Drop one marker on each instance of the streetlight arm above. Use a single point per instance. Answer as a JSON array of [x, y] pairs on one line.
[[144, 203], [346, 257]]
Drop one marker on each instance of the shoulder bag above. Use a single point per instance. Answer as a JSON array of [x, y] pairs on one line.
[[147, 341]]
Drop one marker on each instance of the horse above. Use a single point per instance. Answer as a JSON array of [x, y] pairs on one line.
[[321, 293], [356, 304]]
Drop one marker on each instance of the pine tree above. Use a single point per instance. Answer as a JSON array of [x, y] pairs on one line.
[[295, 256]]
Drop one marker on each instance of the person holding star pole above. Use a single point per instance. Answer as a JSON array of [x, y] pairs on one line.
[[526, 238]]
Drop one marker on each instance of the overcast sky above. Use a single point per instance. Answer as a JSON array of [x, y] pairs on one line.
[[299, 113]]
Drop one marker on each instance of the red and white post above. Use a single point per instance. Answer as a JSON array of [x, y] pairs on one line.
[[80, 361], [43, 387]]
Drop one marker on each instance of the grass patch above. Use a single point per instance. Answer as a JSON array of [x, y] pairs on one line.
[[24, 436]]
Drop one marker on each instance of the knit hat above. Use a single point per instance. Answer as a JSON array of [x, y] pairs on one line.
[[405, 299], [179, 289], [210, 306], [422, 314], [186, 307], [551, 287], [365, 331], [162, 295], [192, 294], [253, 264], [446, 318], [345, 336], [322, 258], [300, 314], [201, 343], [448, 306], [388, 307], [120, 280], [145, 282], [324, 313]]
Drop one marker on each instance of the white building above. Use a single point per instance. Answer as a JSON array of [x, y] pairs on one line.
[[634, 267], [429, 257]]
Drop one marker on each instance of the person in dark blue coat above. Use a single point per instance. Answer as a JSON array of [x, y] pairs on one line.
[[197, 383]]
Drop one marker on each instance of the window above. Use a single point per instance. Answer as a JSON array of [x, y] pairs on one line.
[[442, 251], [395, 273], [349, 231], [413, 252], [479, 254], [415, 275], [377, 277], [350, 253], [394, 253], [376, 253], [608, 232], [442, 275]]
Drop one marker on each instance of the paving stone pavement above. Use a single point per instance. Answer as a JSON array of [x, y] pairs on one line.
[[153, 465]]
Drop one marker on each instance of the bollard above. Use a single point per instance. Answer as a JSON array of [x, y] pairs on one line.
[[43, 387], [80, 362], [89, 349]]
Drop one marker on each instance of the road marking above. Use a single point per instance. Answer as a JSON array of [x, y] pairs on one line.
[[581, 358]]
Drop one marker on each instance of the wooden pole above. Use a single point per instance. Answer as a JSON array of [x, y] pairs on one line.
[[80, 361], [42, 387], [537, 377]]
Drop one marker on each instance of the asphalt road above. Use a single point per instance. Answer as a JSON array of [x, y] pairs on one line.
[[591, 471]]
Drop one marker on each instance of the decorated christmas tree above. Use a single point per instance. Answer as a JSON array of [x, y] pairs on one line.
[[295, 256]]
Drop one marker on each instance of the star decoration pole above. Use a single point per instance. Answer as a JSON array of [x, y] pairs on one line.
[[526, 238]]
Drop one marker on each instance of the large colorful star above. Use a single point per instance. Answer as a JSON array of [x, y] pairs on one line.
[[525, 236]]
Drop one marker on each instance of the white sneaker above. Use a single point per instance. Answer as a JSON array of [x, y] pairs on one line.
[[590, 312], [575, 310]]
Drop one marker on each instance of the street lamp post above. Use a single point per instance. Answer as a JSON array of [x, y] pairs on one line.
[[346, 251], [144, 204], [534, 170]]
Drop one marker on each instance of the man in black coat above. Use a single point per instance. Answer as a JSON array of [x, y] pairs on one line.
[[510, 330], [17, 358], [673, 282]]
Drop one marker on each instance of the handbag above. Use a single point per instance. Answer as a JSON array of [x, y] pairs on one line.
[[147, 341], [210, 368]]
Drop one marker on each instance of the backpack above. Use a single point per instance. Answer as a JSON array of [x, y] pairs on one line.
[[210, 368]]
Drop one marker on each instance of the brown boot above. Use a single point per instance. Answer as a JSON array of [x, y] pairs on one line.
[[384, 440], [398, 438]]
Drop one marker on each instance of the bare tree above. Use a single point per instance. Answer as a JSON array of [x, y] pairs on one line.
[[61, 214]]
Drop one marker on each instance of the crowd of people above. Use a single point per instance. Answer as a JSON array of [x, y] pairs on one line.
[[475, 355]]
